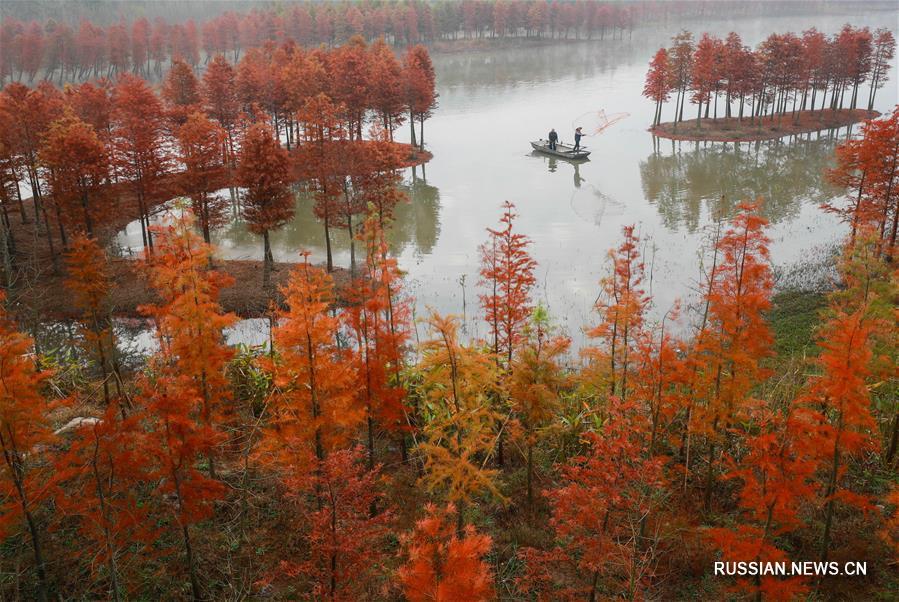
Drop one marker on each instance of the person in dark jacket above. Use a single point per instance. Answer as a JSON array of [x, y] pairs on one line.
[[578, 134], [553, 138]]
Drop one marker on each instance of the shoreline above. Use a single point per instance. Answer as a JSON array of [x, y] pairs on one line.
[[39, 290], [732, 129]]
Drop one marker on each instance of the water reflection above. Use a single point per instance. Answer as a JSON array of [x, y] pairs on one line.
[[416, 226], [692, 180]]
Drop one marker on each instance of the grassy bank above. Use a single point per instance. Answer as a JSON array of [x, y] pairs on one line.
[[794, 316]]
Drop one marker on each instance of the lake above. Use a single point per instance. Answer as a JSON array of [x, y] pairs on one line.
[[492, 103]]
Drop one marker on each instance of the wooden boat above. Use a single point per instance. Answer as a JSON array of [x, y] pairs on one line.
[[564, 151]]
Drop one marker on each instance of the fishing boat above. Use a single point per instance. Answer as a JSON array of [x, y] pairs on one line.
[[564, 151]]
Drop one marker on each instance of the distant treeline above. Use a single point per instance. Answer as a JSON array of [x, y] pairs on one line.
[[78, 40]]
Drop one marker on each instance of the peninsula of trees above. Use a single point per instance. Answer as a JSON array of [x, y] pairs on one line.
[[98, 155]]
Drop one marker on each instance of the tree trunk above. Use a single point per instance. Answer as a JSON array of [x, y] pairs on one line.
[[188, 550], [266, 260], [329, 261]]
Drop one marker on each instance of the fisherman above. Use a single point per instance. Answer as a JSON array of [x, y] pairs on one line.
[[553, 137], [577, 139]]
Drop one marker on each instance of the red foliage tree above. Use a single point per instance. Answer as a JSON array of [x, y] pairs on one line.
[[598, 515], [174, 443], [884, 50], [24, 416], [443, 564], [181, 91], [78, 166], [323, 133], [507, 272], [869, 168], [200, 142], [140, 149], [386, 81], [140, 46], [264, 171], [348, 545], [92, 103], [419, 82], [658, 82], [101, 472], [219, 93]]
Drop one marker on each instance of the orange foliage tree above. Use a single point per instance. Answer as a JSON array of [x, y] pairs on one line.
[[841, 398], [458, 419], [312, 409], [377, 319], [190, 320], [101, 472], [776, 476], [24, 429], [735, 337], [621, 306], [507, 274], [536, 380], [659, 377], [88, 281], [445, 564]]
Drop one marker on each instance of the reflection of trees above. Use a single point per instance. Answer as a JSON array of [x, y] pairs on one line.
[[695, 176], [506, 68], [416, 222]]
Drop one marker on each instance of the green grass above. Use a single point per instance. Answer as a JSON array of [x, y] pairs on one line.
[[794, 317]]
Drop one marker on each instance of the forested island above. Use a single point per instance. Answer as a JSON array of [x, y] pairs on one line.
[[772, 91]]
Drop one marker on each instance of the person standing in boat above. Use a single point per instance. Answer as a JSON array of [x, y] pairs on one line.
[[578, 134], [553, 138]]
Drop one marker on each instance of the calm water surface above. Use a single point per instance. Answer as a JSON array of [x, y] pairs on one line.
[[493, 103]]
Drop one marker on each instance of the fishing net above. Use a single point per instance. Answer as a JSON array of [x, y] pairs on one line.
[[596, 122]]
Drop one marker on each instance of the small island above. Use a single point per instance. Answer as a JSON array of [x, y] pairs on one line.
[[789, 84], [734, 129]]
